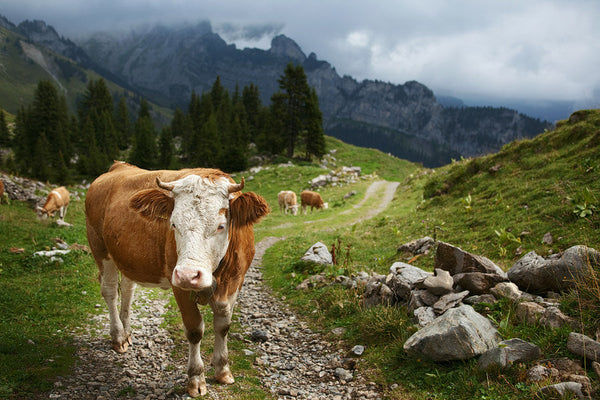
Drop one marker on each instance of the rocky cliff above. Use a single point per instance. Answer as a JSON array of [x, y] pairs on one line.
[[166, 64]]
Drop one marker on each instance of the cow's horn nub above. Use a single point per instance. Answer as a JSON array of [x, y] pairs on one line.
[[236, 188], [164, 185]]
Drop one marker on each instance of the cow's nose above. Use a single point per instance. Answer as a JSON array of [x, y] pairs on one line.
[[187, 278]]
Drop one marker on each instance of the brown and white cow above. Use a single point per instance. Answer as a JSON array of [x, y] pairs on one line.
[[190, 230], [312, 199], [287, 202], [58, 199]]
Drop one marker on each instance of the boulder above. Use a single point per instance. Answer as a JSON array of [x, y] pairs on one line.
[[536, 274], [563, 390], [417, 246], [425, 315], [403, 278], [584, 346], [448, 301], [478, 282], [554, 318], [377, 293], [529, 312], [459, 334], [421, 298], [509, 352], [318, 253], [456, 261], [439, 284], [506, 290]]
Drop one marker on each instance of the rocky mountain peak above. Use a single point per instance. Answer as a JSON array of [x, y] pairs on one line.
[[283, 46]]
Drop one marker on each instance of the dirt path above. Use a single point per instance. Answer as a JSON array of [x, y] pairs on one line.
[[294, 362]]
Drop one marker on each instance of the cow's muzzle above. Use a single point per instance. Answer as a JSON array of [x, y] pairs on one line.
[[192, 278]]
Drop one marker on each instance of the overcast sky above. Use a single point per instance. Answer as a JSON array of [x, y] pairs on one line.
[[504, 49]]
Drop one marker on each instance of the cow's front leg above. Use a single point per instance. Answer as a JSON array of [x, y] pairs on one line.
[[194, 330], [222, 311], [127, 292], [109, 282]]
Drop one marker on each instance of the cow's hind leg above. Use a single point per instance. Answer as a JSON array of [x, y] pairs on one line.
[[222, 311], [194, 330], [110, 291]]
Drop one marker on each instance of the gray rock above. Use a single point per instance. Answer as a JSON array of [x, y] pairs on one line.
[[424, 315], [439, 284], [554, 318], [562, 391], [403, 278], [584, 346], [318, 253], [456, 261], [377, 293], [480, 298], [421, 298], [448, 301], [259, 335], [343, 374], [529, 312], [536, 274], [509, 352], [478, 282], [540, 372], [417, 246], [506, 290], [459, 334]]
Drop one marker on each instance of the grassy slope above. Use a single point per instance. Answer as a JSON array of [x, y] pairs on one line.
[[539, 184]]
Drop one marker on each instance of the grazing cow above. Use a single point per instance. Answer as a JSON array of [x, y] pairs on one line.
[[1, 192], [287, 201], [312, 199], [58, 199], [189, 230]]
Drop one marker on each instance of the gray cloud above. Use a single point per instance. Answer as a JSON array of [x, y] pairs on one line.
[[535, 49]]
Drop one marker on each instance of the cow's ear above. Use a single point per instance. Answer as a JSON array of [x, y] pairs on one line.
[[248, 208], [152, 203]]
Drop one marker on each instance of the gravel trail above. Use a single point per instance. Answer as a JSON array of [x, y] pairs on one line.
[[293, 361]]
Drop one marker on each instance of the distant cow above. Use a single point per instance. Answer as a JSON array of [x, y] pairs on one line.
[[189, 230], [58, 199], [2, 192], [312, 199], [287, 201]]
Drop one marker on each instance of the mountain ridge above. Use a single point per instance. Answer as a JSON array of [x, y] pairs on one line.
[[166, 64]]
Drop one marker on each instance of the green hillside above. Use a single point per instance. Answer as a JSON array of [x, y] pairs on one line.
[[498, 206], [23, 65]]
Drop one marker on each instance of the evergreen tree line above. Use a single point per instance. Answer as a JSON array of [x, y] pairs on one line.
[[219, 130]]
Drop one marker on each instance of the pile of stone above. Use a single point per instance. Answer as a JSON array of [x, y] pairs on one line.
[[34, 192], [450, 328], [340, 177]]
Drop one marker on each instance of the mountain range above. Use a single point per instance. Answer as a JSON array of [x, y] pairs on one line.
[[165, 64]]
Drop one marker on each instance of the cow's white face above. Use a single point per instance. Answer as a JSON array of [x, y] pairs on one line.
[[200, 223]]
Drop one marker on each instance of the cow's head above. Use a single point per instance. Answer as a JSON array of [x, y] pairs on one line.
[[42, 213], [198, 211]]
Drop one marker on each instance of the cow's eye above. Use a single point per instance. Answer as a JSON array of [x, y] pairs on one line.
[[173, 226], [220, 227]]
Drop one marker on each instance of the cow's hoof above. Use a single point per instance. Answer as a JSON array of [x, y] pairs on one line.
[[122, 347], [196, 387], [225, 377]]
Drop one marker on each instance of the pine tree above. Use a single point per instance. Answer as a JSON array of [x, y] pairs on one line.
[[166, 149], [144, 152], [296, 93], [122, 124], [4, 132], [314, 137]]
